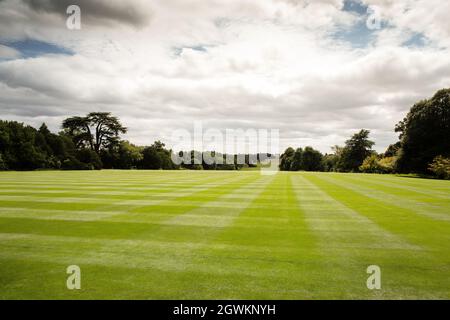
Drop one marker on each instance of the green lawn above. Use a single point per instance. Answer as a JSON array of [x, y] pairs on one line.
[[222, 235]]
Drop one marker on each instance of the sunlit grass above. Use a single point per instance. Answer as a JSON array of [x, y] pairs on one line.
[[223, 235]]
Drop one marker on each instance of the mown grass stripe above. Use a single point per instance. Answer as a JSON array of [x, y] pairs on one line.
[[401, 200]]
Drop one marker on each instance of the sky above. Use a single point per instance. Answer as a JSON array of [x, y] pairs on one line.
[[316, 70]]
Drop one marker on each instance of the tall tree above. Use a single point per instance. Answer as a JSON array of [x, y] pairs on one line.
[[286, 159], [297, 160], [95, 131], [356, 149], [424, 133], [311, 160]]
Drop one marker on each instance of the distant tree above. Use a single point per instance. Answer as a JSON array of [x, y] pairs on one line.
[[306, 159], [424, 133], [311, 160], [296, 162], [3, 165], [19, 147], [95, 131], [121, 155], [356, 149], [90, 158], [129, 155], [151, 159], [286, 159], [329, 162]]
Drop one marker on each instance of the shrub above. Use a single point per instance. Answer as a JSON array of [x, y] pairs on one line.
[[440, 167], [373, 164], [387, 164], [370, 165]]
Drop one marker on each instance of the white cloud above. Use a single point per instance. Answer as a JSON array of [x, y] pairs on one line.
[[231, 64], [8, 53]]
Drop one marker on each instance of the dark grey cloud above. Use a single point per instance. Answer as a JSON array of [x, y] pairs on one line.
[[135, 13]]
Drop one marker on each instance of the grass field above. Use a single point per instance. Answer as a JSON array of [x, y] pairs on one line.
[[223, 235]]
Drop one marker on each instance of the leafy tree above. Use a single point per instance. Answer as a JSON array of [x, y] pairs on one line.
[[97, 130], [129, 155], [393, 149], [90, 158], [329, 162], [121, 155], [356, 149], [306, 159], [296, 163], [424, 133], [3, 165], [311, 160], [19, 148], [151, 159], [286, 159]]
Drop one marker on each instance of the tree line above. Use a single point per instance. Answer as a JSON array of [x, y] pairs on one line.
[[423, 146], [93, 142]]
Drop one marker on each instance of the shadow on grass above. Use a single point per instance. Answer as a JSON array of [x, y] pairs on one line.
[[418, 176]]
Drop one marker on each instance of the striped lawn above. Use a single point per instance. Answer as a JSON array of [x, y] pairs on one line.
[[222, 235]]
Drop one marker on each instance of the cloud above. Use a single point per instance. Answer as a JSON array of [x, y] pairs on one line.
[[8, 52], [230, 64], [135, 12]]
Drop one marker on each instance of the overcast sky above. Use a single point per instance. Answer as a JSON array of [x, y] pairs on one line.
[[311, 68]]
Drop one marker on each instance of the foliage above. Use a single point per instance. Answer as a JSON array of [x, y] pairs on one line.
[[25, 148], [286, 159], [388, 164], [440, 167], [375, 164], [311, 160], [3, 165], [393, 149], [424, 133], [156, 157], [356, 149], [329, 162], [97, 130], [306, 159]]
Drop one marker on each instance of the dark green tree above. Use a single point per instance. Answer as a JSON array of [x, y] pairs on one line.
[[424, 133], [151, 159], [356, 149], [96, 131], [286, 159], [311, 160], [296, 163]]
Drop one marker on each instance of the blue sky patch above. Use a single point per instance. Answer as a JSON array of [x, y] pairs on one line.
[[200, 48], [355, 6], [358, 35], [418, 40], [34, 48]]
